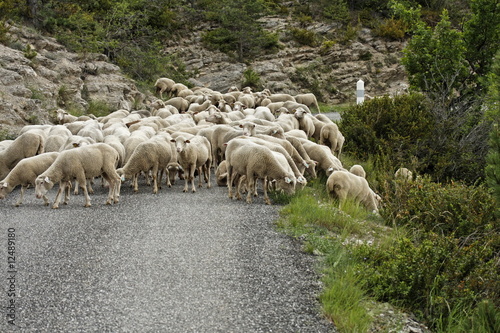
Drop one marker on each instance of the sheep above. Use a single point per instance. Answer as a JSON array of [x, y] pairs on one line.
[[277, 147], [305, 122], [327, 162], [291, 106], [343, 185], [76, 141], [221, 174], [265, 113], [177, 88], [403, 174], [358, 170], [256, 162], [308, 164], [5, 143], [330, 136], [195, 107], [179, 103], [194, 154], [288, 122], [81, 163], [26, 145], [115, 142], [164, 85], [281, 98], [308, 99], [92, 130], [63, 117], [25, 173], [54, 143], [297, 133], [152, 155], [133, 141]]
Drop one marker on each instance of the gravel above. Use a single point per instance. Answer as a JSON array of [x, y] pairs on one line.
[[171, 262]]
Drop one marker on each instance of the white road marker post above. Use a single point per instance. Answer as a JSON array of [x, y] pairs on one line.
[[360, 92]]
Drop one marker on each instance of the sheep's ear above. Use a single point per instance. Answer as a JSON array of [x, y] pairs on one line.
[[47, 180], [172, 140], [187, 141], [241, 126], [75, 144]]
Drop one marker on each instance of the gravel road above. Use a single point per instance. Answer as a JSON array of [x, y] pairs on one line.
[[172, 262]]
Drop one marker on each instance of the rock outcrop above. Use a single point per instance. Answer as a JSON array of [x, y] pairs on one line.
[[38, 75]]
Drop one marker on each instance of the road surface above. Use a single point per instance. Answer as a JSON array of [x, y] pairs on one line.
[[171, 262]]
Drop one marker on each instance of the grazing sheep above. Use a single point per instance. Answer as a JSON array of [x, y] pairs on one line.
[[330, 136], [343, 185], [196, 107], [177, 88], [326, 161], [81, 164], [54, 143], [25, 173], [26, 145], [358, 170], [308, 99], [256, 162], [194, 154], [221, 174], [403, 174], [164, 85], [152, 155]]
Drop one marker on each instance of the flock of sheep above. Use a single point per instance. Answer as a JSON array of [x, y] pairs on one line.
[[243, 135]]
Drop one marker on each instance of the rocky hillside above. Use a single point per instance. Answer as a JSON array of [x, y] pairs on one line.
[[38, 75]]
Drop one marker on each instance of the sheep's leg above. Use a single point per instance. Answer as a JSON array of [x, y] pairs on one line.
[[89, 186], [266, 197], [75, 192], [191, 179], [207, 174], [154, 175], [186, 179], [238, 188], [20, 200], [62, 186], [250, 185], [135, 182], [201, 173], [67, 191]]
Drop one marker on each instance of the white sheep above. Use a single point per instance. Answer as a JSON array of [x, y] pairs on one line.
[[194, 154], [153, 156], [25, 173], [403, 174], [326, 161], [81, 164], [343, 185], [305, 122], [179, 103], [26, 145], [331, 136], [308, 99], [164, 85], [358, 170], [256, 162]]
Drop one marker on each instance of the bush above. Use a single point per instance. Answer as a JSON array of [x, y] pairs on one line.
[[251, 79], [396, 127], [392, 29], [449, 262], [304, 36]]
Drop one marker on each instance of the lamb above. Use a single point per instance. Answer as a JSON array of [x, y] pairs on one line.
[[330, 136], [164, 85], [256, 162], [152, 155], [308, 99], [358, 170], [26, 145], [403, 174], [25, 173], [194, 154], [81, 163], [343, 185]]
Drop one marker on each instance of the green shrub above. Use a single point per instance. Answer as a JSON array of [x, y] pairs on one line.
[[251, 79], [392, 29], [450, 261], [4, 29], [99, 108], [304, 36]]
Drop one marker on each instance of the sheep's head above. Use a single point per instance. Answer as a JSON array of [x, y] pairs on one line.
[[299, 113], [180, 143], [42, 185], [4, 189], [286, 184], [248, 129]]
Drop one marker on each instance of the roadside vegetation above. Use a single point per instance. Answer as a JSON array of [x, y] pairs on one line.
[[433, 251]]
